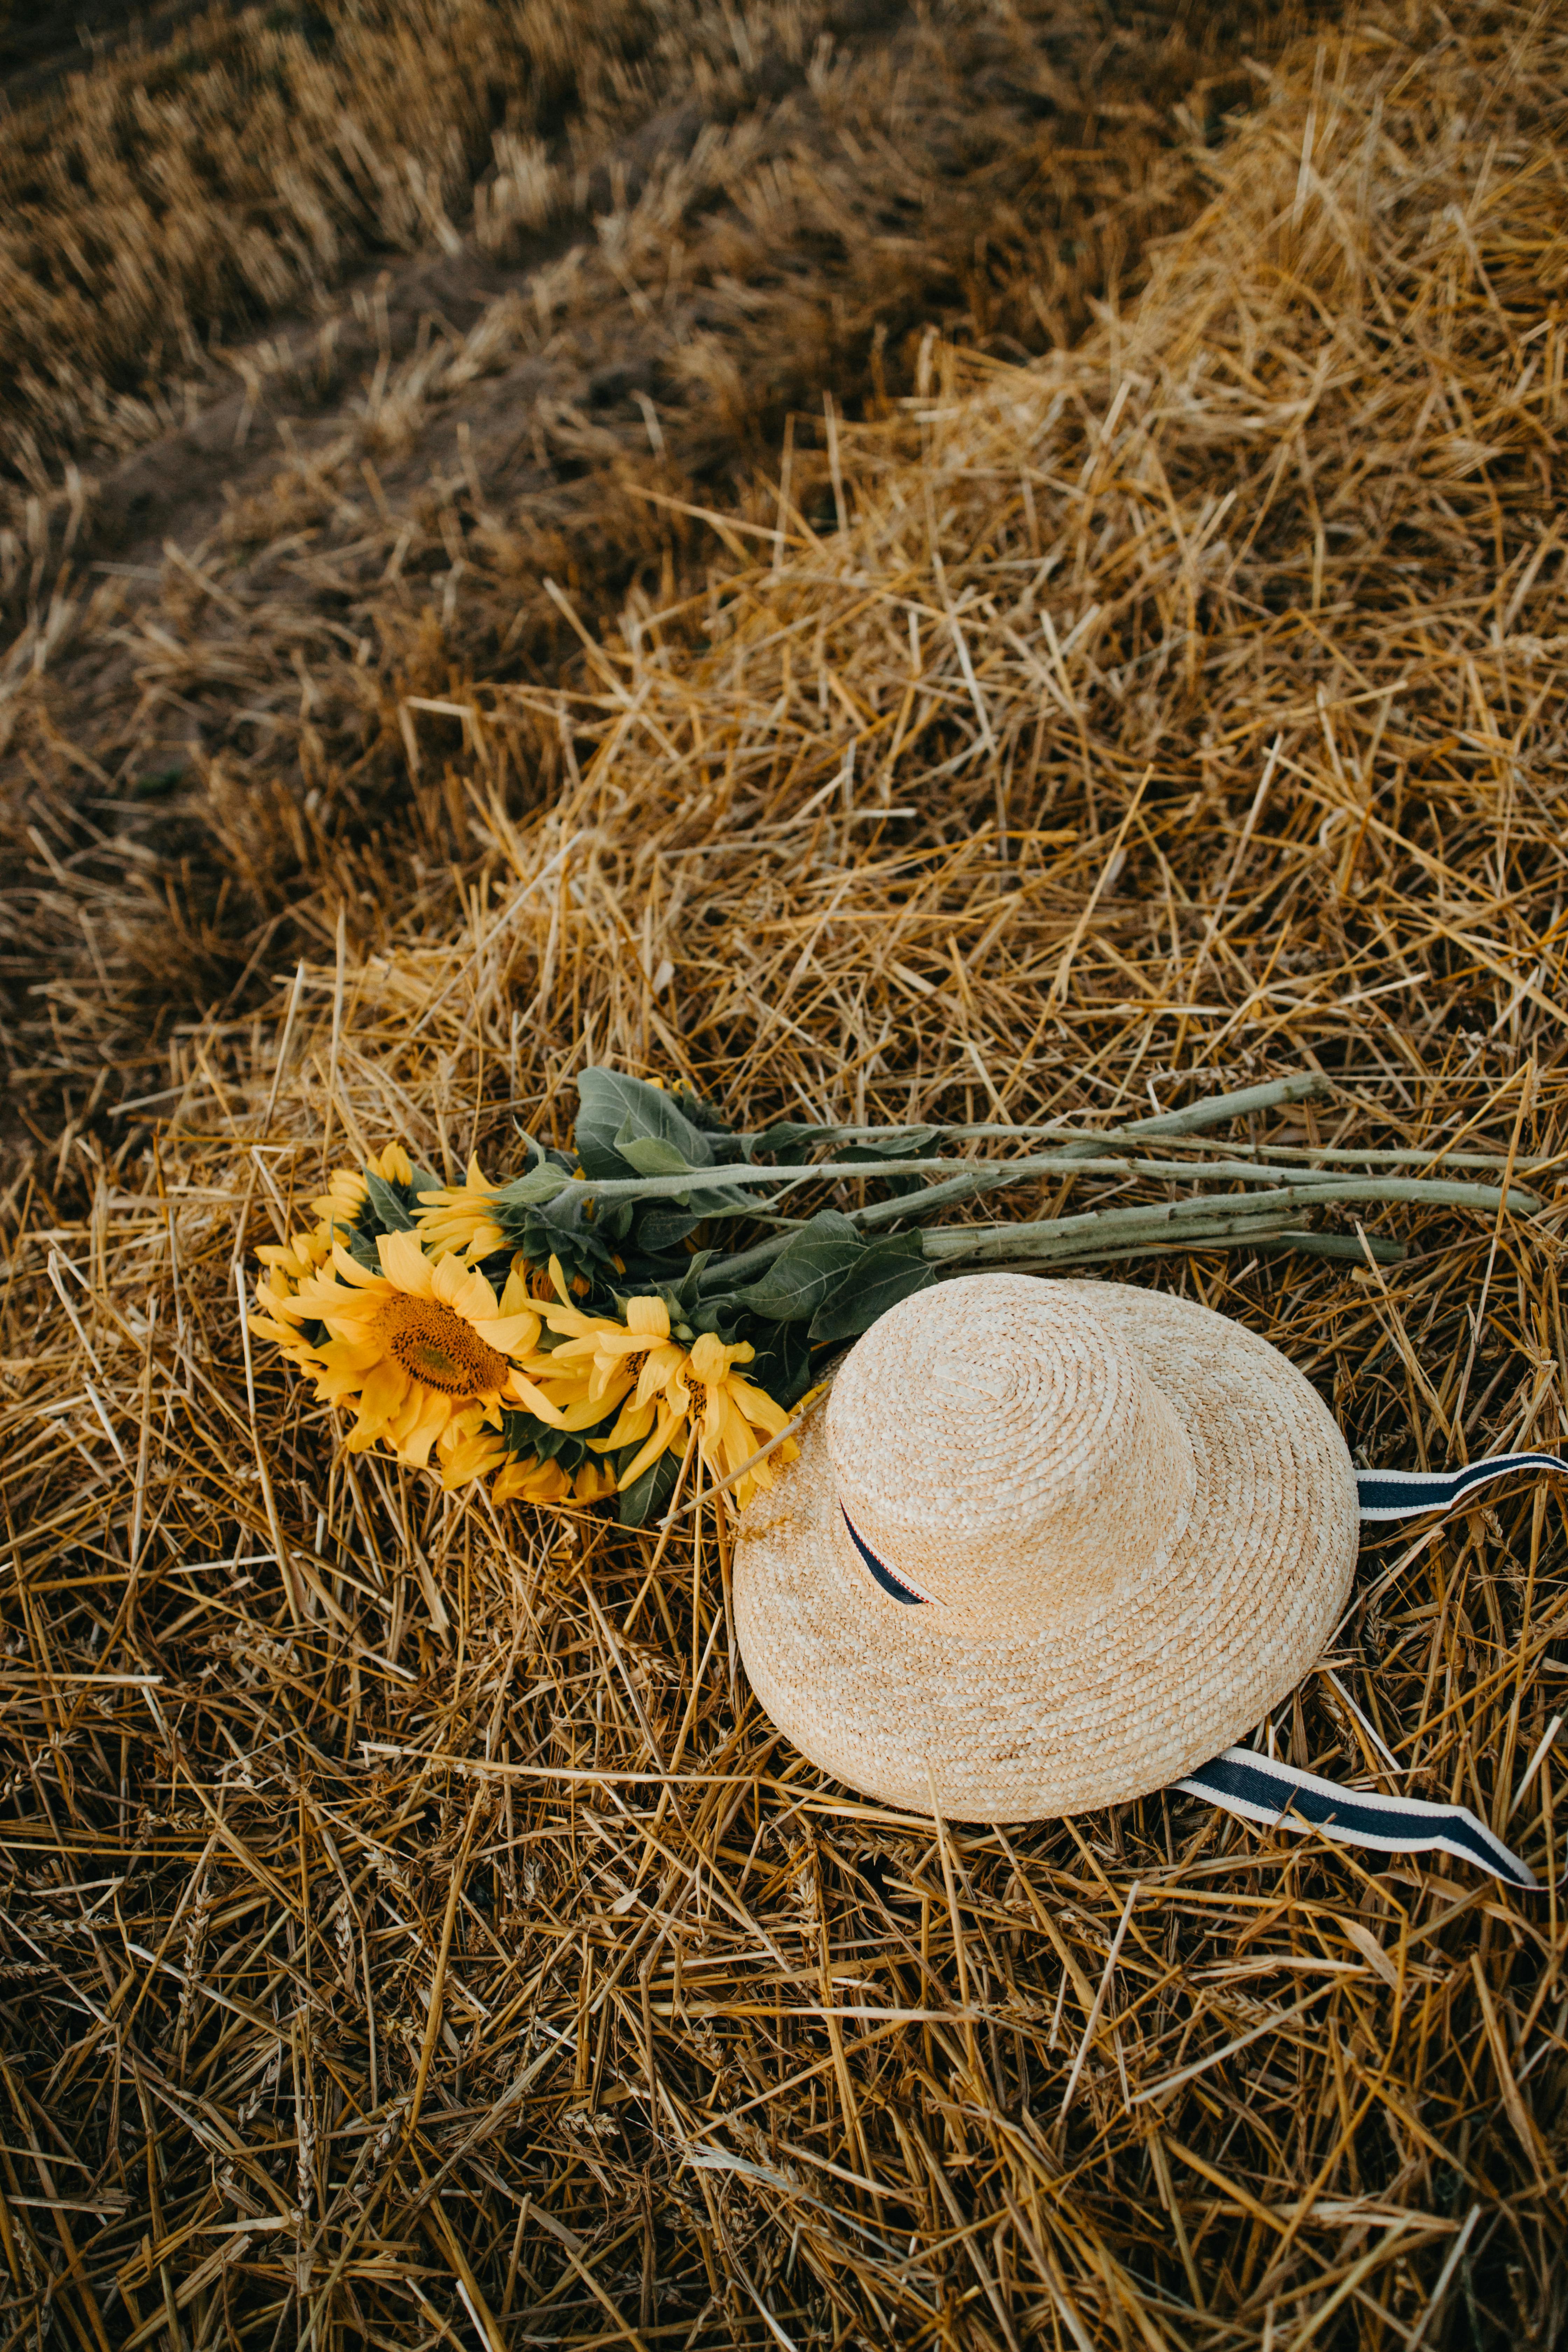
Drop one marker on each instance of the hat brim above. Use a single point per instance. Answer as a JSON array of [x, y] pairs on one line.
[[1106, 1701]]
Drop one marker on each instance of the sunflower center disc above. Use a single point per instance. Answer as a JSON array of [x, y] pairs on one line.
[[436, 1345]]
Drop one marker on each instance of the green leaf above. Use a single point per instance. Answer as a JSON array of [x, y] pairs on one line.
[[885, 1272], [895, 1143], [541, 1183], [558, 1229], [648, 1496], [614, 1110], [663, 1227], [387, 1201], [806, 1271], [790, 1135], [781, 1365], [702, 1114], [651, 1155], [524, 1434]]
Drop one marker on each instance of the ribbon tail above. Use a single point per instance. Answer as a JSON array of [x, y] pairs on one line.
[[1280, 1797], [1411, 1494]]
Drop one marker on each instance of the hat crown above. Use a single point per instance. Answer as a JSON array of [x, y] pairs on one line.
[[999, 1447]]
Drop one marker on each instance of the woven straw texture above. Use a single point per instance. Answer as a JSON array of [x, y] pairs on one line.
[[1134, 1521]]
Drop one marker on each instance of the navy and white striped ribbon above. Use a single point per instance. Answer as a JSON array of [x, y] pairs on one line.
[[1261, 1790], [1410, 1494], [1258, 1789], [879, 1572]]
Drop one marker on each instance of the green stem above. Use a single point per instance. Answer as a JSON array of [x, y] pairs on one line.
[[1273, 1238], [987, 1174], [1107, 1231], [1211, 1111], [1213, 1218], [1060, 1236], [1410, 1158], [1355, 1246]]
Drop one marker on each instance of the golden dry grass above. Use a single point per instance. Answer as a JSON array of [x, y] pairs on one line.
[[726, 223], [153, 212], [426, 1940], [152, 206]]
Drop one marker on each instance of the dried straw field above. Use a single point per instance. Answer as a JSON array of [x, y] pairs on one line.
[[684, 228], [413, 1934]]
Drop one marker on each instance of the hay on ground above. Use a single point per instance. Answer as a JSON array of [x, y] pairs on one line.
[[356, 464], [415, 1935]]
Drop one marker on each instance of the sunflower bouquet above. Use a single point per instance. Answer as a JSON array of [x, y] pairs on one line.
[[410, 1305], [576, 1332]]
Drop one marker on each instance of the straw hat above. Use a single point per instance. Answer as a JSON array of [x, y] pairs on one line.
[[1051, 1546]]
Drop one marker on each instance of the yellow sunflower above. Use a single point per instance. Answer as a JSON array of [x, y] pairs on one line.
[[529, 1480], [343, 1201], [611, 1354], [584, 1378], [660, 1387], [461, 1217], [471, 1447], [289, 1264], [425, 1351], [734, 1419], [737, 1417]]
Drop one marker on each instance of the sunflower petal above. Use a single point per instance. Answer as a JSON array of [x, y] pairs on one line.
[[758, 1406], [385, 1388], [405, 1263], [510, 1335], [349, 1269], [632, 1425], [414, 1444], [521, 1387], [670, 1431]]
